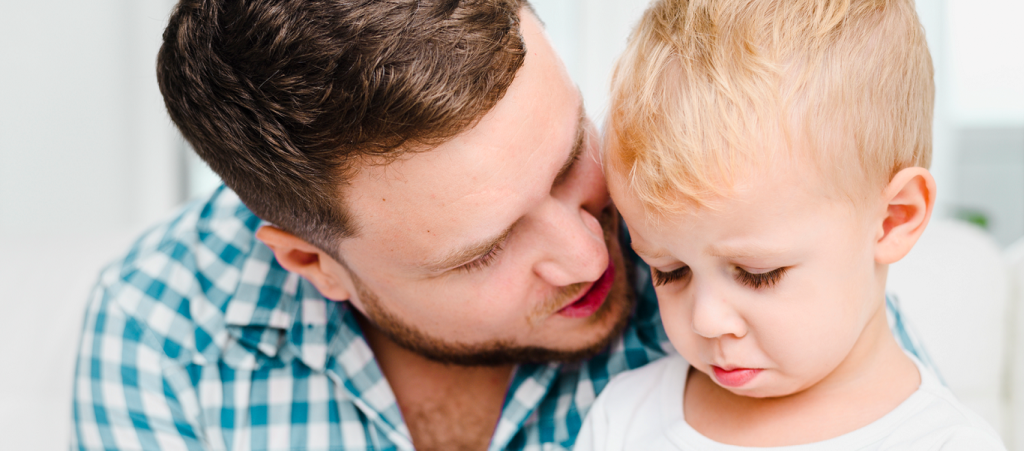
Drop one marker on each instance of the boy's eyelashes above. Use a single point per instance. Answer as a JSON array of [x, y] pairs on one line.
[[760, 280], [662, 278], [753, 280]]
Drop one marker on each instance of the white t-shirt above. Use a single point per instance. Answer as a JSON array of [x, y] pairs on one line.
[[642, 409]]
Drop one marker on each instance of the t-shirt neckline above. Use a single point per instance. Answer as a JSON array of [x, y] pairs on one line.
[[685, 436]]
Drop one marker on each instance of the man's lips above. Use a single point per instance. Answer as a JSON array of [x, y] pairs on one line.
[[736, 377], [593, 298]]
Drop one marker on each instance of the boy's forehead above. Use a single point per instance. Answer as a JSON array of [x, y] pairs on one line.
[[776, 164], [766, 219], [773, 187]]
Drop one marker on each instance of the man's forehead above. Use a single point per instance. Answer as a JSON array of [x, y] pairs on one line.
[[480, 182], [464, 192]]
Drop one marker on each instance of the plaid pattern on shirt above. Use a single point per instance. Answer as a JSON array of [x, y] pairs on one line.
[[199, 340]]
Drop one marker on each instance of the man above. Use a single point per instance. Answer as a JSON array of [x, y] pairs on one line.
[[417, 248]]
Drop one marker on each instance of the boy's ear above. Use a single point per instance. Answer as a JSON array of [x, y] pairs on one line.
[[910, 199], [296, 255]]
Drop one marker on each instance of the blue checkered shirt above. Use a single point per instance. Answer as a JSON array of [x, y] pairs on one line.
[[199, 340]]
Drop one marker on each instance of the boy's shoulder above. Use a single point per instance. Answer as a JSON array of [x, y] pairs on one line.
[[647, 379], [654, 389], [940, 421], [638, 406], [931, 418], [943, 423]]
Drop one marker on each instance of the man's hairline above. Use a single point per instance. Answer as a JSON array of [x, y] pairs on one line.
[[352, 222]]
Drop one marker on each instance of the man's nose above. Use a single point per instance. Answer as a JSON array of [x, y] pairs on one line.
[[713, 315], [574, 249]]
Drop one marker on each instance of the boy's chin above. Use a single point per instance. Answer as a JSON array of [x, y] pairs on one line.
[[760, 393], [760, 387]]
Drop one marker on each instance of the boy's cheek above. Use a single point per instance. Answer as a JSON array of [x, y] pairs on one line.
[[677, 319]]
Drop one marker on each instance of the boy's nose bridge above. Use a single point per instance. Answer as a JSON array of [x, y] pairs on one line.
[[713, 315]]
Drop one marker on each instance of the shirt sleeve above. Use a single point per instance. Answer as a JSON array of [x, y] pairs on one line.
[[971, 439], [128, 394]]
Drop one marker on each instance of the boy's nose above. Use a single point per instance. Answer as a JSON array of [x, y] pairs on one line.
[[713, 317]]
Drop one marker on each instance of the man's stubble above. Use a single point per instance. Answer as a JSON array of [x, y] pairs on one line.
[[502, 352]]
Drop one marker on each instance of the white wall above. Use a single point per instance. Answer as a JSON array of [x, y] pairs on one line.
[[984, 112], [590, 35], [87, 155], [84, 139], [986, 50]]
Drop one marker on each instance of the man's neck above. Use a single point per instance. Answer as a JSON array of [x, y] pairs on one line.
[[446, 407]]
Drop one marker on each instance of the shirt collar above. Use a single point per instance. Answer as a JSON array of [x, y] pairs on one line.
[[281, 315], [268, 312], [272, 314], [276, 314]]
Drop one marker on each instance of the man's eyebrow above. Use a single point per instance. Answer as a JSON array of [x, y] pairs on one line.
[[577, 147], [471, 252], [467, 254]]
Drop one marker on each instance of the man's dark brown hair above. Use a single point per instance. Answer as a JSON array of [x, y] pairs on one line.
[[282, 97]]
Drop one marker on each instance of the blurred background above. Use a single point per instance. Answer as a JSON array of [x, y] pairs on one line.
[[89, 159]]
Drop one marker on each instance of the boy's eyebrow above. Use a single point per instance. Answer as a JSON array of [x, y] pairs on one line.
[[747, 251], [645, 252]]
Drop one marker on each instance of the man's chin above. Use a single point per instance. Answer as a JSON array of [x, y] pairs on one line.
[[595, 334], [499, 352]]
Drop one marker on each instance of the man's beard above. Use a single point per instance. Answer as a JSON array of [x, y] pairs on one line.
[[502, 352]]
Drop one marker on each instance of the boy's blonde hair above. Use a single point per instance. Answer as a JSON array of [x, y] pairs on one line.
[[707, 89]]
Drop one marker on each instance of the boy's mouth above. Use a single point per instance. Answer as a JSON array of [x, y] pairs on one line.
[[736, 377]]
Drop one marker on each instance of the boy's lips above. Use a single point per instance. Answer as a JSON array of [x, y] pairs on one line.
[[593, 298], [735, 377]]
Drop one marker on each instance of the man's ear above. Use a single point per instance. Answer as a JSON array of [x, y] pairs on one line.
[[296, 255], [910, 199]]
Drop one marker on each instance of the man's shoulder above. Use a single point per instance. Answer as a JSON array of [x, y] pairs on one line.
[[207, 243], [178, 277], [218, 228]]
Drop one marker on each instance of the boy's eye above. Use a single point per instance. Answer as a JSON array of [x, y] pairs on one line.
[[662, 278], [760, 280]]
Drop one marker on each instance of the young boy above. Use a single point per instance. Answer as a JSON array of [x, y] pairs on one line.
[[769, 158]]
